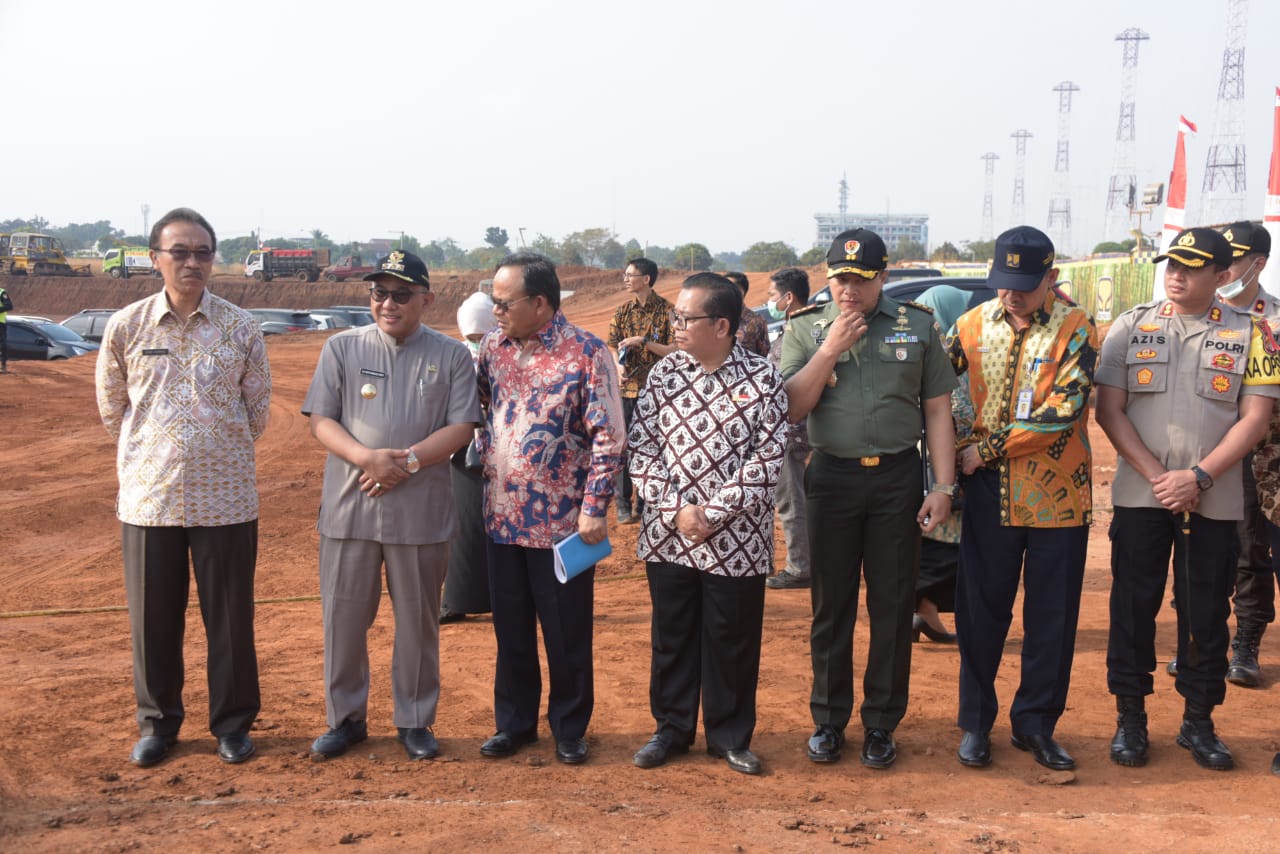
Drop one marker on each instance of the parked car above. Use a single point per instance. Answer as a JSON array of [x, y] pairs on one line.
[[901, 290], [90, 323], [277, 320], [343, 317], [360, 314], [45, 341]]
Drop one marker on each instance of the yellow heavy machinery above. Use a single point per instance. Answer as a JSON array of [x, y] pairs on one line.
[[29, 253]]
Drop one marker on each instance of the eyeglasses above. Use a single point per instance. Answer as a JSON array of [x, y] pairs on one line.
[[180, 254], [626, 277], [504, 306], [400, 297], [680, 321]]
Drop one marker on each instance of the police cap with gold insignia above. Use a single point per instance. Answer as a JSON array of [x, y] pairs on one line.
[[858, 251], [405, 266], [1022, 256], [1195, 247], [1248, 238]]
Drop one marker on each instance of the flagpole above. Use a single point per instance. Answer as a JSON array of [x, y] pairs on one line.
[[1270, 276], [1175, 208]]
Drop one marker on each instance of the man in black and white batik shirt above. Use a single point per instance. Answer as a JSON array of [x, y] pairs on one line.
[[707, 445]]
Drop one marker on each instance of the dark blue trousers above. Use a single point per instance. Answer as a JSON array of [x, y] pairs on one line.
[[525, 593], [993, 558]]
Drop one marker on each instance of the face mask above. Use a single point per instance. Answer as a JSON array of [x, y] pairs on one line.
[[1231, 290], [775, 312], [474, 347]]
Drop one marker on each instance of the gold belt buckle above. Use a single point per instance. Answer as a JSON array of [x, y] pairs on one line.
[[869, 461]]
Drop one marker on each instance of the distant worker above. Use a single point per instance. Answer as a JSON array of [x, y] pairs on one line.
[[551, 446], [864, 368], [640, 333], [6, 306], [753, 331], [1185, 389], [788, 293], [391, 402], [1255, 598], [1028, 359], [706, 449], [183, 385]]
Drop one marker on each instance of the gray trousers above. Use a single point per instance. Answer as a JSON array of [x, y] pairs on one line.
[[789, 497], [350, 589]]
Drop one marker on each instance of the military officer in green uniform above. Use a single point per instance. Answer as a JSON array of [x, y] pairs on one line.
[[862, 368]]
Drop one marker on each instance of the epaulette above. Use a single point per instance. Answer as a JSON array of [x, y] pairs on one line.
[[809, 309], [914, 304]]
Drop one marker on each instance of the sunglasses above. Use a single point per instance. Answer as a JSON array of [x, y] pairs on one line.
[[400, 297], [204, 256]]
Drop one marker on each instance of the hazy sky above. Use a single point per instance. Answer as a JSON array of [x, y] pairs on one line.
[[665, 121]]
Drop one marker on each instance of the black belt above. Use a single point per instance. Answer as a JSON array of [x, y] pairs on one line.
[[871, 462]]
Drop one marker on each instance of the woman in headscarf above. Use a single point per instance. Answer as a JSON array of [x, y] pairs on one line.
[[466, 586], [940, 549]]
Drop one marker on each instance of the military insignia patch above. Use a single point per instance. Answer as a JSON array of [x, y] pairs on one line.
[[1145, 375], [900, 354], [1260, 307], [1166, 310], [1215, 315], [1228, 333], [1224, 362], [1221, 383], [1187, 239], [1012, 260], [851, 248], [395, 261], [1145, 354], [1149, 327]]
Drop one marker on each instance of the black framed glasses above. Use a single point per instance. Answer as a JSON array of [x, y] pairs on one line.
[[400, 297], [504, 306], [181, 253], [681, 321]]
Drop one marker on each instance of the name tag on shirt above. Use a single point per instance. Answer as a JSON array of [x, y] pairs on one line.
[[1024, 405], [370, 372], [156, 351]]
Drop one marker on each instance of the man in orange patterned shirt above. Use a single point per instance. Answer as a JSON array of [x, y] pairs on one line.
[[1029, 358]]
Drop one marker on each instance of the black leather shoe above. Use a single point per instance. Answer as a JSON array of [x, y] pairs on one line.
[[151, 749], [1275, 765], [1206, 748], [975, 749], [920, 625], [878, 749], [447, 617], [419, 742], [786, 581], [1130, 743], [741, 760], [235, 748], [571, 751], [1046, 751], [825, 743], [507, 743], [656, 752], [336, 741]]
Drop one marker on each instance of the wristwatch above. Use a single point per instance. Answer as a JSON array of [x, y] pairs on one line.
[[1202, 478], [411, 463], [947, 489]]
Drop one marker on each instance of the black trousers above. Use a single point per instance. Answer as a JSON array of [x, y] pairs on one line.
[[1141, 540], [706, 642], [1255, 599], [623, 489], [4, 346], [993, 559], [862, 522], [156, 575], [525, 593]]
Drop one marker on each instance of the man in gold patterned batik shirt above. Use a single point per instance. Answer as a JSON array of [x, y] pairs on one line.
[[183, 386], [1027, 357]]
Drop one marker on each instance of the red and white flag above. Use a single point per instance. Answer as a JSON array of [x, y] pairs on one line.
[[1270, 276], [1175, 208]]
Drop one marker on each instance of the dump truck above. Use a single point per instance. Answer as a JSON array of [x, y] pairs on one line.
[[305, 265], [125, 261], [29, 253], [348, 267]]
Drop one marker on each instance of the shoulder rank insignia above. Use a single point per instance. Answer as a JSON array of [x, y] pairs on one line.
[[1166, 310], [1260, 307], [809, 309], [1215, 314], [917, 305]]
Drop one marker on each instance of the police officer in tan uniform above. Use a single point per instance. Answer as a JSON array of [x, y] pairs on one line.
[[1255, 599], [1182, 398], [862, 368]]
